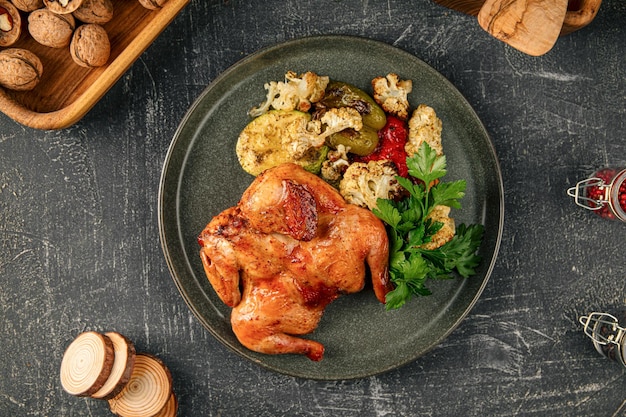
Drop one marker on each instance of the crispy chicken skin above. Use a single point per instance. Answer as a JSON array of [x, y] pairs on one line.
[[290, 247]]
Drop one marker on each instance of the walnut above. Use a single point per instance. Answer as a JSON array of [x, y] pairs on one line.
[[62, 6], [20, 69], [51, 29], [90, 46], [28, 5], [152, 4], [95, 11], [10, 23]]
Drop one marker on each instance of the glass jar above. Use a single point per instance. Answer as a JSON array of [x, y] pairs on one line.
[[608, 337], [604, 193]]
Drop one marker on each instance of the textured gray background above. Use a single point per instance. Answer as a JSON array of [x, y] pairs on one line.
[[79, 244]]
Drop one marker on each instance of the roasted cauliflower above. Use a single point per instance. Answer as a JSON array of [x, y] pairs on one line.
[[424, 125], [446, 233], [392, 94], [364, 183], [301, 138], [295, 93], [335, 165]]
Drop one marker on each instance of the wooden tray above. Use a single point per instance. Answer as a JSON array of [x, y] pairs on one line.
[[68, 91]]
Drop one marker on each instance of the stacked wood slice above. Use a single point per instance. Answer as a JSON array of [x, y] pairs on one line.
[[107, 367]]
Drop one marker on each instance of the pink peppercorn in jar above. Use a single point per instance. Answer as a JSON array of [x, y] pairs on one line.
[[604, 193]]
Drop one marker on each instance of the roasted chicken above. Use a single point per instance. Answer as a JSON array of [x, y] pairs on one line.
[[290, 247]]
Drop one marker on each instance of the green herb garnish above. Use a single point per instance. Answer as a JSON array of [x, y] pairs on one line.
[[410, 265]]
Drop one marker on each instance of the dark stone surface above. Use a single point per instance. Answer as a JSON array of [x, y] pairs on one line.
[[80, 250]]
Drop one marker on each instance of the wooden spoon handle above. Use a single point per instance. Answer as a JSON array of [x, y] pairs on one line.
[[579, 15], [471, 7], [531, 26]]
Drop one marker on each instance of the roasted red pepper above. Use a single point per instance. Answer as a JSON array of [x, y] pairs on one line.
[[391, 140]]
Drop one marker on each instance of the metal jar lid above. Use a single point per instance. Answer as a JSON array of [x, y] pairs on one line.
[[608, 337], [609, 195]]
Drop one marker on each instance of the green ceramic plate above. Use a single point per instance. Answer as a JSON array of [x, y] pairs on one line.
[[201, 177]]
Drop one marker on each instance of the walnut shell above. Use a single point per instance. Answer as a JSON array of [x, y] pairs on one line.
[[20, 69], [62, 6], [11, 18], [28, 5], [90, 46], [152, 4], [51, 29], [95, 11]]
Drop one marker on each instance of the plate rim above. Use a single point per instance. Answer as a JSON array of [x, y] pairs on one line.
[[168, 161]]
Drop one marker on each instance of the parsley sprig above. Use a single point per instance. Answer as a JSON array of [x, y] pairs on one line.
[[409, 228]]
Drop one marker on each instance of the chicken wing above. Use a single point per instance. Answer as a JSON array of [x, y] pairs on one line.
[[290, 247]]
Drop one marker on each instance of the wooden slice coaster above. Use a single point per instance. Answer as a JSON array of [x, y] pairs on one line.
[[148, 390], [87, 364], [171, 407], [122, 366]]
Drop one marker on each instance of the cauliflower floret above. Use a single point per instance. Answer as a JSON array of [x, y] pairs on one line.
[[337, 119], [364, 183], [446, 233], [424, 125], [391, 94], [309, 85], [295, 93], [313, 134], [335, 164], [301, 136]]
